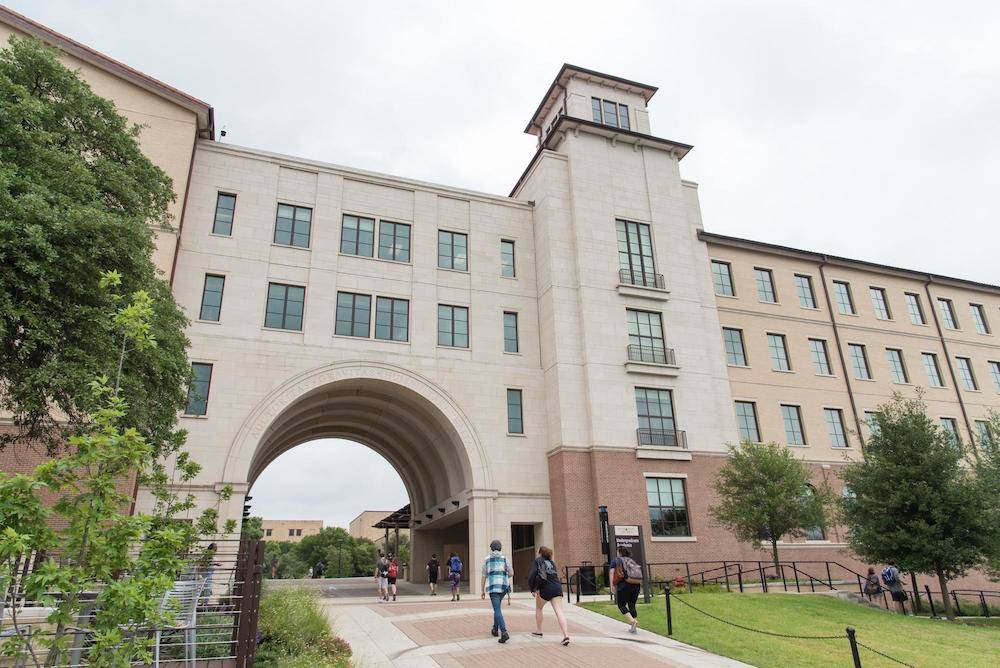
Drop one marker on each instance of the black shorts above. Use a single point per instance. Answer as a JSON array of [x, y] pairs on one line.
[[899, 596], [432, 578], [550, 590], [392, 581]]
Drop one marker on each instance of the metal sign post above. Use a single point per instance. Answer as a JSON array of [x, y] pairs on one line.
[[630, 536], [602, 516]]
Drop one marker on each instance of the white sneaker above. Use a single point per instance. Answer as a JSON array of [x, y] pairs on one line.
[[632, 629]]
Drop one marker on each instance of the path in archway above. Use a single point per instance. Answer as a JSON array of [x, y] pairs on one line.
[[419, 631]]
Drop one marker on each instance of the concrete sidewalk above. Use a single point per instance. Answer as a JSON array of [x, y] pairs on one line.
[[419, 631]]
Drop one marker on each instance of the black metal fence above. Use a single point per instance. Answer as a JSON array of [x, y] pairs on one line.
[[646, 279], [212, 610], [662, 438], [651, 354]]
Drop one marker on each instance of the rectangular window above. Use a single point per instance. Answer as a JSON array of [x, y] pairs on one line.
[[736, 354], [507, 266], [635, 254], [842, 295], [965, 373], [645, 337], [201, 380], [859, 361], [979, 318], [225, 209], [804, 286], [947, 310], [354, 314], [595, 107], [765, 285], [284, 306], [510, 342], [950, 428], [453, 250], [668, 513], [896, 365], [995, 372], [211, 298], [746, 421], [915, 308], [453, 326], [291, 532], [623, 117], [357, 236], [722, 278], [515, 421], [932, 369], [655, 409], [880, 303], [393, 241], [392, 319], [267, 532], [292, 225], [984, 434], [792, 417], [779, 352], [835, 427], [610, 113], [820, 357]]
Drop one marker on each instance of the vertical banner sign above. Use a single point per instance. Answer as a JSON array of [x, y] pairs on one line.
[[602, 516], [630, 536]]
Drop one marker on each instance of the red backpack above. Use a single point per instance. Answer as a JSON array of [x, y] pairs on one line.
[[393, 568]]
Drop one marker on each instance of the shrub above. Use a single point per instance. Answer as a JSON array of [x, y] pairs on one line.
[[296, 633]]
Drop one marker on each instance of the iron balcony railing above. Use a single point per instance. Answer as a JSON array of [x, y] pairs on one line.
[[652, 354], [646, 279], [663, 438]]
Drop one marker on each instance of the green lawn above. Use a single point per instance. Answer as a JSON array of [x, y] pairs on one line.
[[917, 641]]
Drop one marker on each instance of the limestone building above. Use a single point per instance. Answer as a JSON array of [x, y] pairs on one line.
[[522, 359], [292, 531]]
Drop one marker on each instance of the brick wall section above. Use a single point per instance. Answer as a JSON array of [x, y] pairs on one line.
[[25, 457], [620, 484]]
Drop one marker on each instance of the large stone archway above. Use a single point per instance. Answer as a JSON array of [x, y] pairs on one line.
[[416, 426]]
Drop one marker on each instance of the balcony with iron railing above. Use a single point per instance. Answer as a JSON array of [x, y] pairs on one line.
[[642, 279], [662, 438], [638, 352]]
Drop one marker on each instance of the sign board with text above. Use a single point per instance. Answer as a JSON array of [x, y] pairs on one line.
[[630, 536]]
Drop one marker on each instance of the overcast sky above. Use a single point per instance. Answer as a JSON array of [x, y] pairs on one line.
[[855, 128]]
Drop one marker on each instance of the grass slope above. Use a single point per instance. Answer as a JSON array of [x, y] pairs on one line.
[[917, 641]]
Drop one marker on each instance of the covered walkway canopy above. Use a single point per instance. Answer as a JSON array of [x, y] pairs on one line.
[[397, 520]]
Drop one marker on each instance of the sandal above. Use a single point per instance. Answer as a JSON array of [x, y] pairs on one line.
[[537, 635], [565, 641]]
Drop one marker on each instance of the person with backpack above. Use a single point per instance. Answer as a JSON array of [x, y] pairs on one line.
[[391, 573], [890, 577], [626, 578], [546, 588], [433, 571], [455, 575], [872, 586], [382, 577], [320, 567], [497, 573]]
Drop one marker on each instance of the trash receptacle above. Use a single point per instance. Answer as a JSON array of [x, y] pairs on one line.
[[588, 578]]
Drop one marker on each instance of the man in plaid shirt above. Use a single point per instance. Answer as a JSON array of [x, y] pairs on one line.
[[497, 573]]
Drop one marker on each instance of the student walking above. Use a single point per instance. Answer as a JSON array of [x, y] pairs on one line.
[[433, 571], [497, 573], [320, 567], [391, 574], [545, 587], [890, 576], [626, 578], [455, 575], [872, 586], [382, 577]]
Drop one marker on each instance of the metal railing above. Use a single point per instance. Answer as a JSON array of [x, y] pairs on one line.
[[651, 354], [222, 628], [645, 279], [662, 438]]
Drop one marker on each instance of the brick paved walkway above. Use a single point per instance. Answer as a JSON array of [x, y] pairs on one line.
[[419, 631]]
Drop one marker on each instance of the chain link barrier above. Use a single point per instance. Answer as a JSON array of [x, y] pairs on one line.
[[843, 636]]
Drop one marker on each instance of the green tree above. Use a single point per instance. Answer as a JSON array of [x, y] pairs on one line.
[[765, 493], [253, 528], [987, 466], [129, 561], [78, 198], [312, 549], [916, 501], [282, 561]]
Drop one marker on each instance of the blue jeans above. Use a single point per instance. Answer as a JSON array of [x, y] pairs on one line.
[[496, 598]]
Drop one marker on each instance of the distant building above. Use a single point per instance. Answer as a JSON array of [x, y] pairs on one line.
[[290, 530], [362, 527]]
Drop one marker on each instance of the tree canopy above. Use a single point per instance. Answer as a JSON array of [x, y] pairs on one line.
[[765, 493], [916, 501], [77, 198]]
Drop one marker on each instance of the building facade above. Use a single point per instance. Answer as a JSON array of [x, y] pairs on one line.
[[522, 359], [292, 531], [363, 526]]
